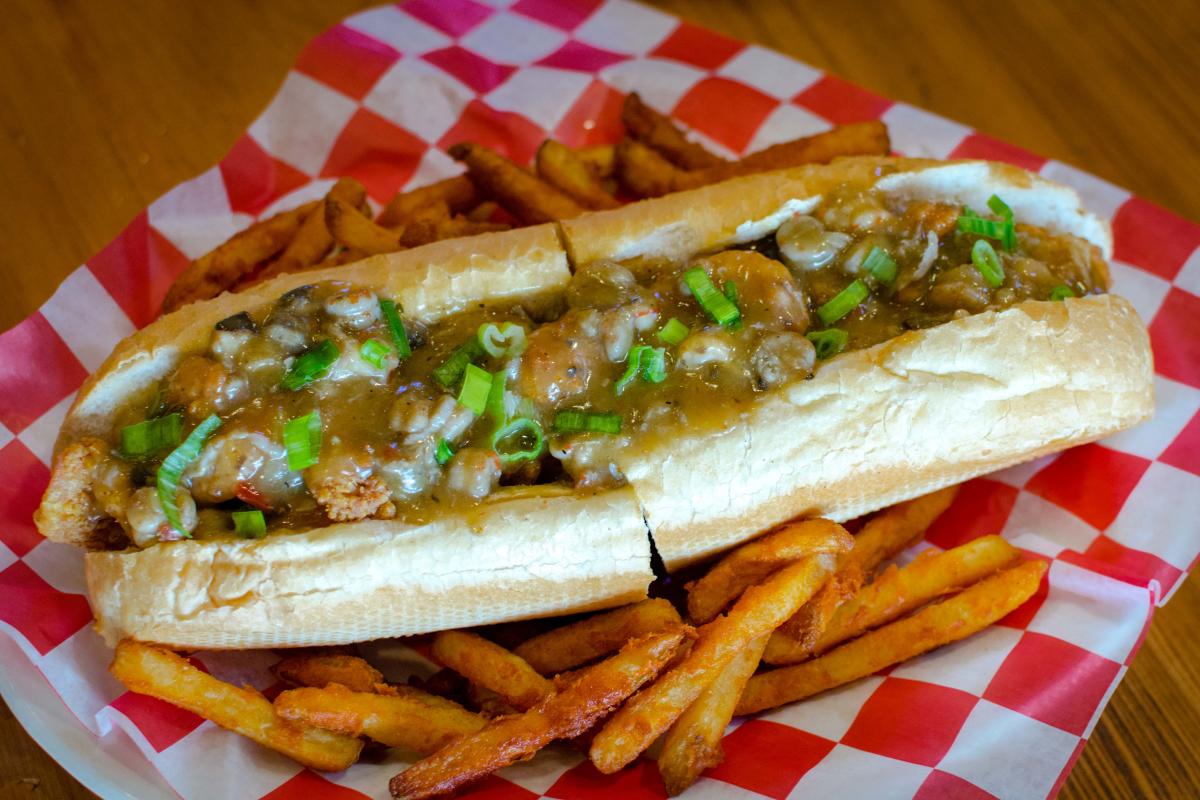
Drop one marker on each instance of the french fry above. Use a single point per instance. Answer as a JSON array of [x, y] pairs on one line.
[[759, 611], [884, 536], [558, 166], [600, 159], [643, 172], [443, 683], [405, 717], [313, 240], [229, 263], [158, 672], [424, 231], [577, 644], [751, 563], [321, 670], [897, 592], [955, 618], [658, 132], [693, 743], [565, 714], [489, 665], [530, 199], [355, 230], [458, 193], [483, 212]]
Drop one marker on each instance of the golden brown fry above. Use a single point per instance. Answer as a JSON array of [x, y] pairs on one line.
[[405, 717], [225, 266], [580, 642], [158, 672], [443, 683], [483, 212], [643, 172], [559, 166], [759, 611], [886, 534], [458, 194], [897, 592], [567, 713], [422, 232], [693, 744], [601, 159], [355, 230], [313, 240], [489, 665], [528, 198], [658, 132], [320, 670], [751, 563], [953, 619]]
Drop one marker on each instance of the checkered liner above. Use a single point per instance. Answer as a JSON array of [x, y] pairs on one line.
[[379, 97]]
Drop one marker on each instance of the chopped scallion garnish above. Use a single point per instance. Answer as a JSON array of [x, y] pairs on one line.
[[311, 365], [829, 342], [673, 332], [1062, 292], [719, 307], [586, 422], [999, 207], [396, 325], [444, 452], [375, 353], [449, 373], [477, 384], [843, 302], [649, 362], [495, 400], [151, 436], [879, 264], [1004, 231], [302, 439], [987, 262], [167, 478], [501, 340], [520, 440], [251, 524]]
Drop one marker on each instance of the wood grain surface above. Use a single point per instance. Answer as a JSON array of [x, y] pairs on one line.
[[104, 105]]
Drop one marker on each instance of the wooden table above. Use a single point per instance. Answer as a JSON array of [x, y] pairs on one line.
[[104, 106]]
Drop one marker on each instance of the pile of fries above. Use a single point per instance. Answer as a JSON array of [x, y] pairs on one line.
[[802, 609], [495, 194]]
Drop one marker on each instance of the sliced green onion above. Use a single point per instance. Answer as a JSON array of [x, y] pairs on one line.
[[633, 365], [311, 365], [999, 207], [716, 304], [843, 302], [396, 325], [495, 400], [501, 340], [673, 332], [251, 524], [167, 479], [302, 438], [828, 342], [477, 384], [375, 353], [654, 365], [987, 262], [1003, 231], [1062, 292], [444, 452], [881, 265], [469, 351], [586, 422], [151, 436], [520, 440]]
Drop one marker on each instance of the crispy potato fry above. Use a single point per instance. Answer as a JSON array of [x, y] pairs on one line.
[[489, 665], [751, 563], [322, 669], [405, 717], [229, 263], [886, 534], [483, 212], [693, 743], [443, 683], [643, 172], [759, 611], [577, 644], [527, 197], [560, 167], [658, 132], [158, 672], [458, 194], [490, 704], [600, 159], [355, 230], [565, 714], [313, 240], [424, 231], [955, 618], [897, 592]]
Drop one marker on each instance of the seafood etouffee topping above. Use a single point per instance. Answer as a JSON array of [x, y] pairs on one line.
[[330, 405]]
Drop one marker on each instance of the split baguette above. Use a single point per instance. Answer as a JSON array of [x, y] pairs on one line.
[[872, 427]]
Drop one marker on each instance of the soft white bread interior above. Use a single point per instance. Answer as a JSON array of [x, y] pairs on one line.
[[525, 553]]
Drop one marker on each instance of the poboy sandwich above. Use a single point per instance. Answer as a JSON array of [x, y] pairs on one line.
[[493, 428]]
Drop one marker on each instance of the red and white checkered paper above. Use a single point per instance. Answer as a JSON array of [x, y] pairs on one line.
[[379, 97]]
